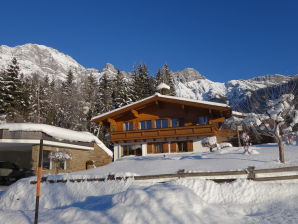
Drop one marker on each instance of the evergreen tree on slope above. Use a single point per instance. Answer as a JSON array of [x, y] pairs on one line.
[[164, 76]]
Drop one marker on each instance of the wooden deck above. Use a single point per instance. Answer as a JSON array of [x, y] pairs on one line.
[[195, 130]]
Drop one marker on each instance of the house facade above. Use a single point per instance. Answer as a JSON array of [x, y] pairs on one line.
[[19, 144], [164, 124]]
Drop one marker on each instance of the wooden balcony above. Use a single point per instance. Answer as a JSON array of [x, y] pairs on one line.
[[195, 130]]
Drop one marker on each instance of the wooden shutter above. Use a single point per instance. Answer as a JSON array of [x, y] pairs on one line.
[[166, 147], [189, 146], [173, 147], [149, 148]]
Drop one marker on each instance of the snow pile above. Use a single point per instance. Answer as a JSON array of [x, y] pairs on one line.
[[21, 194], [162, 86], [57, 133], [181, 201]]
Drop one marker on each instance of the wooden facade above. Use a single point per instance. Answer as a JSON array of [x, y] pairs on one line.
[[164, 120]]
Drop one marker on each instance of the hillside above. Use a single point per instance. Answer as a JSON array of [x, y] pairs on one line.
[[188, 83]]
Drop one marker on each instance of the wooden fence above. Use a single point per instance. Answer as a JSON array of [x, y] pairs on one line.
[[250, 173]]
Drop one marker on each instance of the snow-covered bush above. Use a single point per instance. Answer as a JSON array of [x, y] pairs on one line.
[[57, 156], [225, 145], [209, 142], [246, 141], [279, 119]]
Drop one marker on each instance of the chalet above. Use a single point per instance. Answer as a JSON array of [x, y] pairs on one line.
[[164, 124], [19, 144]]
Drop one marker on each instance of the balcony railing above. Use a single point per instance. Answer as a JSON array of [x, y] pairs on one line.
[[195, 130]]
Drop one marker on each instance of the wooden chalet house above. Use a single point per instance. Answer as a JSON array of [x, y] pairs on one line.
[[164, 124]]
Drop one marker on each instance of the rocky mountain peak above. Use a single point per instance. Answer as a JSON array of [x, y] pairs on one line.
[[188, 75], [109, 68], [39, 59]]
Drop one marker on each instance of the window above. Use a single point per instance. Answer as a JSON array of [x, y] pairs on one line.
[[182, 146], [162, 123], [177, 122], [132, 150], [146, 124], [46, 162], [128, 126], [158, 148], [202, 120]]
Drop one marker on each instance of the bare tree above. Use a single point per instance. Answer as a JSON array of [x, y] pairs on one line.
[[279, 119]]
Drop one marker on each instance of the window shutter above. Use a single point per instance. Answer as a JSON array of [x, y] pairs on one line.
[[149, 148], [189, 146]]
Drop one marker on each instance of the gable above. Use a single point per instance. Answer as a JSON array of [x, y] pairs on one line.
[[159, 105]]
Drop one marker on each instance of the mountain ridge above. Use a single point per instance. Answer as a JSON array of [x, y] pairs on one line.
[[189, 83]]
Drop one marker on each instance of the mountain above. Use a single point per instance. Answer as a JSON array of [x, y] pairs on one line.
[[189, 83], [43, 60]]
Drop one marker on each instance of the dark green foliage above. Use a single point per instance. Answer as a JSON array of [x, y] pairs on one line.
[[143, 84], [104, 99], [14, 100]]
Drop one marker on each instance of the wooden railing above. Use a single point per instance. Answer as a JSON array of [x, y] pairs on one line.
[[250, 173], [195, 130]]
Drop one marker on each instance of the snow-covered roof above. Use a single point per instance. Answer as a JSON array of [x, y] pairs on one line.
[[57, 133], [158, 95], [236, 113], [162, 86]]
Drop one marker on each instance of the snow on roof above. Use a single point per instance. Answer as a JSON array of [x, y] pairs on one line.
[[57, 133], [163, 96], [236, 113], [162, 86]]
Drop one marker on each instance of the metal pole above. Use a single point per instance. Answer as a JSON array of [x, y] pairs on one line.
[[38, 181]]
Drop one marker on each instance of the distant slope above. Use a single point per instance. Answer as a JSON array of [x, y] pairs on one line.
[[189, 83]]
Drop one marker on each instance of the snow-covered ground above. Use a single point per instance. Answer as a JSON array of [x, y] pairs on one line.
[[179, 201], [263, 156]]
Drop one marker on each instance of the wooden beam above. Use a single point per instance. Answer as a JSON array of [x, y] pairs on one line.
[[111, 121], [135, 113], [221, 119]]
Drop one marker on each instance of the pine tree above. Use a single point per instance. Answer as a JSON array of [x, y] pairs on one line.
[[143, 85], [2, 93], [164, 76], [53, 95], [105, 102], [69, 113], [14, 101], [122, 94], [89, 94]]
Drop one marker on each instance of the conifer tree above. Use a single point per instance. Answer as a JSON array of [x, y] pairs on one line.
[[105, 102], [89, 94], [122, 94], [70, 108], [143, 85], [14, 101], [164, 76], [53, 95]]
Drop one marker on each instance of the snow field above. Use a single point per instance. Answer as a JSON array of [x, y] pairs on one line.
[[179, 201]]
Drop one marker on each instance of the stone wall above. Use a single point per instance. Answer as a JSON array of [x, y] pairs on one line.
[[78, 161]]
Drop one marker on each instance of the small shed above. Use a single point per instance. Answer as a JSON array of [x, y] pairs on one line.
[[19, 144]]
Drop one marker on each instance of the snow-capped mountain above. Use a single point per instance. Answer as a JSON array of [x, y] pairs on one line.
[[189, 83], [39, 59], [232, 92]]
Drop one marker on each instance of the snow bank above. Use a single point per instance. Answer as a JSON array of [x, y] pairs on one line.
[[181, 201], [57, 133]]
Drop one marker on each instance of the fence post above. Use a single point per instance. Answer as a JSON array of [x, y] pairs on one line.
[[251, 173], [38, 181]]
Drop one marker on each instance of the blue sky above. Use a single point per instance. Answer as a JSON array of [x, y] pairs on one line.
[[223, 39]]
